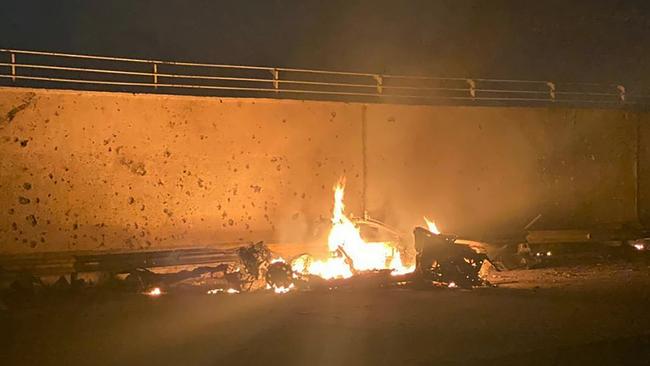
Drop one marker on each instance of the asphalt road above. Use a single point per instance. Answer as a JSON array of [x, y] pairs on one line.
[[595, 316]]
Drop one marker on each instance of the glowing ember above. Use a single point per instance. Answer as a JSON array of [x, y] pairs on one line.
[[639, 246], [431, 226], [220, 290], [348, 251], [282, 289], [156, 291]]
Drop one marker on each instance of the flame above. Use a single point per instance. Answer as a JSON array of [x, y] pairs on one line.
[[282, 289], [332, 267], [156, 291], [432, 226], [349, 253], [220, 290]]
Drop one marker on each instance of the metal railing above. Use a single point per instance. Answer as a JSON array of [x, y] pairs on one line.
[[53, 69]]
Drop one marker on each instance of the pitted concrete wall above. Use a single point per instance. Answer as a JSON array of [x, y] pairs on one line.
[[85, 170], [82, 170]]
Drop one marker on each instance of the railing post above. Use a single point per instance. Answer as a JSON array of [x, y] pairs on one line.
[[621, 92], [551, 90], [13, 67], [155, 75], [380, 83], [472, 87], [276, 77]]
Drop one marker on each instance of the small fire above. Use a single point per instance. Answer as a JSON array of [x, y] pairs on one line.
[[282, 289], [639, 246], [220, 290], [431, 226], [154, 292], [349, 253]]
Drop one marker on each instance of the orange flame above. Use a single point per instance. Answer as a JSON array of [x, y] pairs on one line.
[[154, 292], [431, 226], [348, 251]]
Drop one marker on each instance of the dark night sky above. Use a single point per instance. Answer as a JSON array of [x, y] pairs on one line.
[[589, 40]]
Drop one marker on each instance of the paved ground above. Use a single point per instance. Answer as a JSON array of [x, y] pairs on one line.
[[586, 315]]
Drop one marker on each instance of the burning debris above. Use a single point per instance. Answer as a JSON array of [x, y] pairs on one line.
[[351, 262], [439, 259], [154, 292], [220, 290], [349, 253], [279, 275]]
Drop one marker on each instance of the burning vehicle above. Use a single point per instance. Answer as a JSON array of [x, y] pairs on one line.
[[353, 261]]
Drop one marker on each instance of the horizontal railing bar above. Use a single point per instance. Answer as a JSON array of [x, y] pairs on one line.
[[325, 72], [400, 87], [392, 76], [125, 59], [138, 73], [126, 83], [116, 83], [545, 92], [72, 55], [512, 91], [588, 93], [84, 69], [520, 81]]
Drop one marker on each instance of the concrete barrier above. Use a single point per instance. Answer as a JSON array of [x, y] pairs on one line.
[[478, 170], [93, 170], [84, 170]]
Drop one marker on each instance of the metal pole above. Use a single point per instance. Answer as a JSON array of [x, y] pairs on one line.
[[380, 83], [155, 75], [621, 92], [551, 90], [276, 77], [13, 67], [472, 87], [364, 160]]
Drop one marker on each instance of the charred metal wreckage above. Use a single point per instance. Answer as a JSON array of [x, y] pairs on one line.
[[439, 261]]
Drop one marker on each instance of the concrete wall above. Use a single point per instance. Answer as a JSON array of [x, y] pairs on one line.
[[85, 170], [481, 170]]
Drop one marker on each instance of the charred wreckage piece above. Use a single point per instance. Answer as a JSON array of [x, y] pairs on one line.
[[440, 259]]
